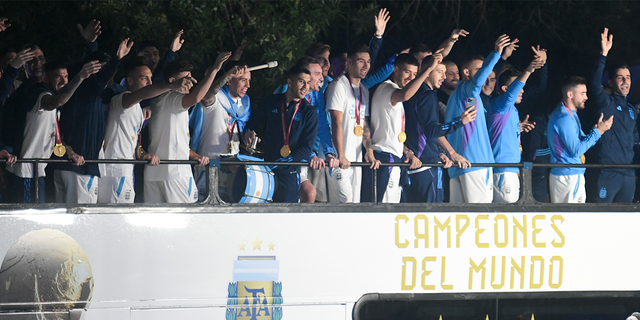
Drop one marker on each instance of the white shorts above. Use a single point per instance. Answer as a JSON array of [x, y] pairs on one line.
[[506, 187], [72, 187], [116, 190], [181, 190], [473, 187], [304, 174], [349, 182], [567, 189], [393, 193]]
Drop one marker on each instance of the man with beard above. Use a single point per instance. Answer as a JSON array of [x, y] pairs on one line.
[[315, 184], [618, 145], [39, 127], [217, 123], [452, 77], [505, 130], [425, 133], [289, 124], [473, 185], [348, 103], [568, 143], [169, 133]]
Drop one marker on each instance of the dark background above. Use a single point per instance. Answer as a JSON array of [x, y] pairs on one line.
[[281, 30]]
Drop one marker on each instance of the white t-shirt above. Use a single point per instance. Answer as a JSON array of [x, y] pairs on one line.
[[341, 95], [169, 133], [39, 139], [214, 139], [387, 121], [121, 136]]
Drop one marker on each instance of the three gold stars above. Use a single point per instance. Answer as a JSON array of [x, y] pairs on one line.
[[257, 245]]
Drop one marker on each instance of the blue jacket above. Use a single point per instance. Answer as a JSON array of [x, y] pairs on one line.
[[422, 124], [505, 128], [617, 145], [567, 141], [472, 142], [266, 121]]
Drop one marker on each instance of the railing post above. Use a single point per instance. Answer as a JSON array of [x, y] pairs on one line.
[[375, 185], [525, 184], [36, 180]]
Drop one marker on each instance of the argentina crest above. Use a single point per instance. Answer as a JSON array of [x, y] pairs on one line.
[[255, 292]]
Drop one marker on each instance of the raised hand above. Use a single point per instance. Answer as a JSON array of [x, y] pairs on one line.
[[91, 32], [22, 57], [124, 48], [177, 42], [535, 64], [540, 54], [606, 42], [90, 68], [238, 53], [236, 71], [526, 125], [508, 51], [457, 33], [469, 115], [4, 24], [183, 85], [381, 21], [604, 125], [436, 58], [222, 58], [501, 43]]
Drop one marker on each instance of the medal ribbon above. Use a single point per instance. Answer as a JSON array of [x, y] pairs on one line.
[[58, 139], [285, 136], [358, 104], [232, 126]]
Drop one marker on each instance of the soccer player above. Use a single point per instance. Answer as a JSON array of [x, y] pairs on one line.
[[505, 130], [425, 133], [288, 124], [472, 185], [388, 125], [169, 133], [217, 123], [618, 145], [124, 124], [568, 143], [39, 126], [348, 104]]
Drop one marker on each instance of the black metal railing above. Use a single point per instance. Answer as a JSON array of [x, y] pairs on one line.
[[212, 172]]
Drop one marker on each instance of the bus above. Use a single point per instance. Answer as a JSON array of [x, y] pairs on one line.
[[232, 261]]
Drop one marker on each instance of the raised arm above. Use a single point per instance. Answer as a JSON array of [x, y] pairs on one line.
[[210, 97], [375, 43], [410, 89], [447, 45], [200, 90], [595, 87], [537, 87], [51, 102], [151, 91], [487, 67]]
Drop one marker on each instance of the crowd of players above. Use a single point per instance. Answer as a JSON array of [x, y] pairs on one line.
[[417, 108]]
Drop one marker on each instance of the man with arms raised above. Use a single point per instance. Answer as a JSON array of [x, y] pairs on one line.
[[39, 127], [618, 145], [568, 143], [288, 124], [473, 185], [425, 133], [169, 133], [124, 124], [388, 125], [348, 103], [505, 129], [219, 120]]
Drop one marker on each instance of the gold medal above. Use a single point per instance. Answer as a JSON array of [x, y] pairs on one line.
[[358, 130], [59, 150], [520, 149], [139, 152], [402, 137], [583, 159], [285, 151]]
